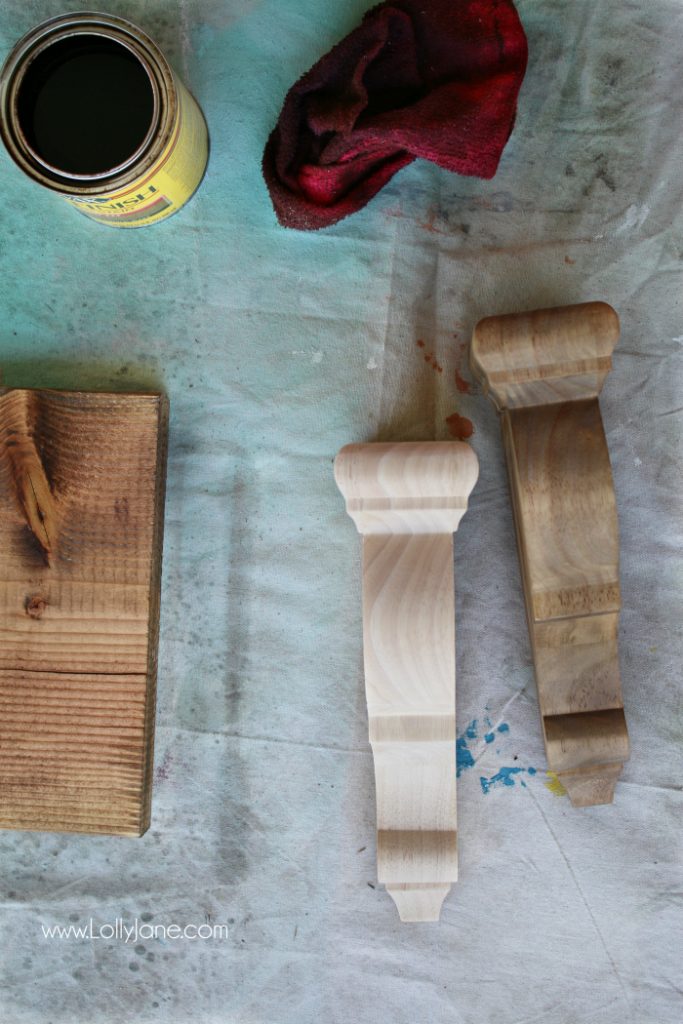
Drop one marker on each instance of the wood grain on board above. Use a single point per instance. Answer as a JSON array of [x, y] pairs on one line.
[[81, 517], [406, 500], [544, 371]]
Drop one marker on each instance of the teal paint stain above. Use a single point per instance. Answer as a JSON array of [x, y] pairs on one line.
[[463, 758], [463, 755], [505, 777]]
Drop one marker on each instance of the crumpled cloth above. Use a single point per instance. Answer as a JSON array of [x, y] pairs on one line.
[[436, 79]]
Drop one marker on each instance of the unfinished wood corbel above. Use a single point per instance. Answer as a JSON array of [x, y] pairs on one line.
[[406, 500], [544, 371]]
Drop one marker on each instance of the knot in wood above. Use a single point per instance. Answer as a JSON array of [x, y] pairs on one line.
[[35, 605]]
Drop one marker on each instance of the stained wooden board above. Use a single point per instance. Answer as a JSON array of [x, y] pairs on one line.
[[81, 517]]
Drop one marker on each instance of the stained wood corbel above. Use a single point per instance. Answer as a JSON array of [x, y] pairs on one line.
[[406, 500], [544, 371]]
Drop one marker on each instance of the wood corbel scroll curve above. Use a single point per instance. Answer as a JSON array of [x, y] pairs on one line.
[[407, 500], [544, 370]]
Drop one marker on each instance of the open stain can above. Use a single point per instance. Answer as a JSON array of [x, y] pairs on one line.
[[90, 108]]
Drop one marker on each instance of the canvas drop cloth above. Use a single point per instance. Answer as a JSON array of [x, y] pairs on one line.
[[277, 348]]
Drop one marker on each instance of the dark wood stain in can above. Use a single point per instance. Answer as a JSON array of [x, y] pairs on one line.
[[85, 105]]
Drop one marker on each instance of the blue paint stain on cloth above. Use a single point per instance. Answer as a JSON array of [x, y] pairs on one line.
[[506, 776], [463, 757]]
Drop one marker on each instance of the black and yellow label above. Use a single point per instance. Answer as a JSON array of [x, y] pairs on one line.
[[166, 186]]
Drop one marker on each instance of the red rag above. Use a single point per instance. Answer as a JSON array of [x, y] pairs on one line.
[[436, 79]]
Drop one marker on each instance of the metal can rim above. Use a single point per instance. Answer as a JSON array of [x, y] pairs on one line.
[[163, 85]]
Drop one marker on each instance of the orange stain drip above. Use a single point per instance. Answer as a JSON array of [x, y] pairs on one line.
[[459, 426], [430, 357], [429, 225], [461, 384]]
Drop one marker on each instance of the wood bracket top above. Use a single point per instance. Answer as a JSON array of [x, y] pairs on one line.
[[408, 486], [546, 355]]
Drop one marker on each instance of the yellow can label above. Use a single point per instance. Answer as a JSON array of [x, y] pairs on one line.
[[166, 186]]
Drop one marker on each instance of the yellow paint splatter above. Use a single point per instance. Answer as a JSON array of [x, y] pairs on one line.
[[554, 785]]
